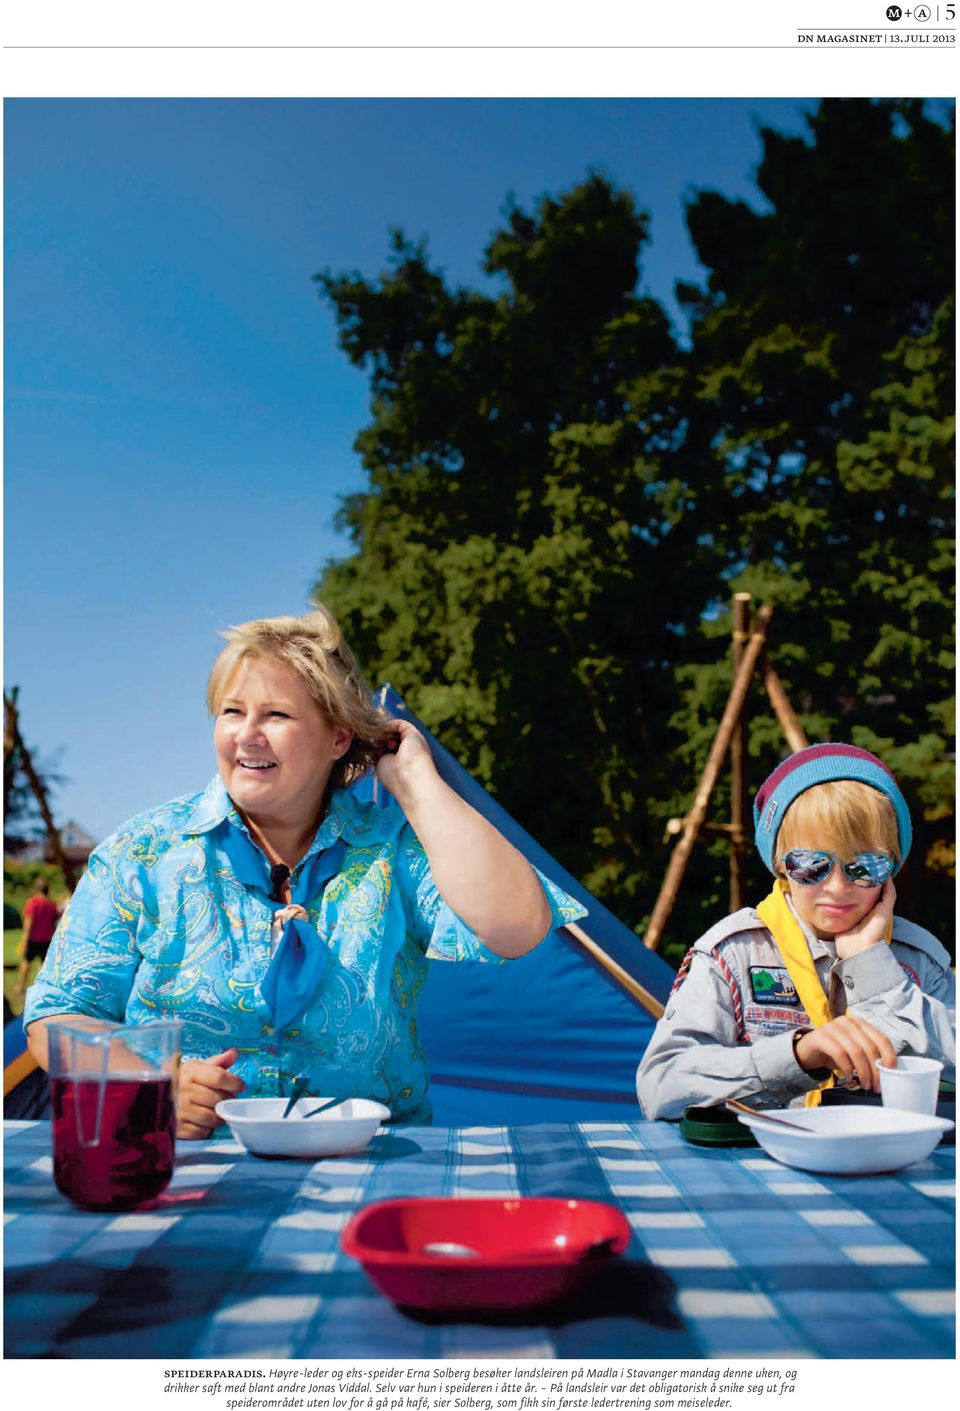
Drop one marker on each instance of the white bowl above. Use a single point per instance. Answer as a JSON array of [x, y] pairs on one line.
[[258, 1124], [848, 1140]]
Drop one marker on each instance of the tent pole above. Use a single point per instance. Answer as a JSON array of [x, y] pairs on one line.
[[622, 977], [694, 819]]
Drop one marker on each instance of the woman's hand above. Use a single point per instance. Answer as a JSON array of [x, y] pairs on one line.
[[203, 1083], [483, 879], [280, 919], [873, 928], [290, 913], [851, 1047], [401, 768]]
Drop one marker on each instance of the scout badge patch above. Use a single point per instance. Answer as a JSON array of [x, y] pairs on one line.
[[771, 984]]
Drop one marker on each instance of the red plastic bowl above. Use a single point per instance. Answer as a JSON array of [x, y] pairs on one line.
[[529, 1249]]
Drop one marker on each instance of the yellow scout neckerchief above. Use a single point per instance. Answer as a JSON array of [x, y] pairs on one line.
[[790, 941]]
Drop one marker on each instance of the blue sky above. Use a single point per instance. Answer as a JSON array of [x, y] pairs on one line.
[[179, 419]]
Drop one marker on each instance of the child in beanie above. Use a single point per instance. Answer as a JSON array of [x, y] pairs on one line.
[[821, 981]]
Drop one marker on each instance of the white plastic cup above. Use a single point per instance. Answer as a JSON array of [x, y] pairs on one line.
[[912, 1086]]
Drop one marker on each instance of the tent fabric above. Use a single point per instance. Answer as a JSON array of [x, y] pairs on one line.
[[549, 1037], [25, 1088]]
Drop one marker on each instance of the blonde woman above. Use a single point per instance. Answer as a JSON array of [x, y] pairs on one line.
[[286, 923]]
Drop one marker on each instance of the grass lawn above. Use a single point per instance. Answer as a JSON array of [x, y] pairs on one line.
[[18, 880], [11, 964]]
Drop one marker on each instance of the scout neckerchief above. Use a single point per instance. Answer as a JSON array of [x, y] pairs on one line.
[[303, 959], [790, 941]]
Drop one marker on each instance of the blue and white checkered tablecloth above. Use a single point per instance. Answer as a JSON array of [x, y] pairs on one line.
[[733, 1255]]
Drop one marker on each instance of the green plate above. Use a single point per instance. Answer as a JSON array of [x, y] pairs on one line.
[[715, 1126]]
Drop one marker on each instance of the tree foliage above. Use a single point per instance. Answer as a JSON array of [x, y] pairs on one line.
[[822, 380], [22, 821], [562, 497]]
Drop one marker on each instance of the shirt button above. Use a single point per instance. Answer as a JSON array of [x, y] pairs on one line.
[[848, 982]]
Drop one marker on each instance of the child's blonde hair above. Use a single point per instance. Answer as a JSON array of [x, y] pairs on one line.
[[842, 816]]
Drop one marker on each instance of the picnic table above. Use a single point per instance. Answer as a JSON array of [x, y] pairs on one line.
[[732, 1254]]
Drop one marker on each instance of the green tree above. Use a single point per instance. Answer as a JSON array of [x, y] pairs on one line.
[[822, 388], [561, 499], [523, 516], [23, 822]]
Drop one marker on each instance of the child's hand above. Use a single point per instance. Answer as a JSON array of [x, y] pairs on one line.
[[873, 928], [851, 1047]]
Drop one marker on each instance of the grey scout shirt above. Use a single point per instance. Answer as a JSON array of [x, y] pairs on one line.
[[727, 1030]]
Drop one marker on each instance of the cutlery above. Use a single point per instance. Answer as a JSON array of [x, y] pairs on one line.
[[296, 1092], [772, 1117], [333, 1102]]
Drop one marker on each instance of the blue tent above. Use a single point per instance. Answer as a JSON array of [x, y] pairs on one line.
[[554, 1036]]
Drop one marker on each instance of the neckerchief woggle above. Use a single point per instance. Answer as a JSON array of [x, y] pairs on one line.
[[790, 941], [301, 961]]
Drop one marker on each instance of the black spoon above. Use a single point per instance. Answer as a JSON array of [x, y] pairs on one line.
[[296, 1093]]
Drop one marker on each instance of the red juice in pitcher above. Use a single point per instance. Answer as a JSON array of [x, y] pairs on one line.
[[118, 1156]]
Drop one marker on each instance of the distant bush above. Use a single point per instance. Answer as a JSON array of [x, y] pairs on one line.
[[18, 880]]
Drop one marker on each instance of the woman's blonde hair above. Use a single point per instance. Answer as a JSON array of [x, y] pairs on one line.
[[842, 816], [312, 647]]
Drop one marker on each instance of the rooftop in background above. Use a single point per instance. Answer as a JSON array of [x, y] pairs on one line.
[[77, 845]]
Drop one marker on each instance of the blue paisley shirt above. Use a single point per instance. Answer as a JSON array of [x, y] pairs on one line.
[[172, 920]]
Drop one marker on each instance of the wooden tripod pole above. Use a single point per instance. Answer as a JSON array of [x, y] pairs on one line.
[[789, 724], [9, 743], [694, 819], [738, 761]]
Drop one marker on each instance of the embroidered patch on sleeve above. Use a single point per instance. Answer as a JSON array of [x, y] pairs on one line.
[[773, 1020], [771, 984]]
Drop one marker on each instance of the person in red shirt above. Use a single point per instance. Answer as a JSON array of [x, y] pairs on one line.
[[40, 918]]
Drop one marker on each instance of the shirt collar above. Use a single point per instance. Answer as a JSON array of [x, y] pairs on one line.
[[818, 946], [214, 806], [347, 817]]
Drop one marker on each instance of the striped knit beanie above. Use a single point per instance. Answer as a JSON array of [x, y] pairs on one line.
[[819, 764]]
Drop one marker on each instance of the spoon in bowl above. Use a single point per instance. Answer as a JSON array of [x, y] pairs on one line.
[[772, 1117], [331, 1102], [296, 1093]]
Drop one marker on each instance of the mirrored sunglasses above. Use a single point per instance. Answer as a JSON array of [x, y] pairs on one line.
[[807, 868]]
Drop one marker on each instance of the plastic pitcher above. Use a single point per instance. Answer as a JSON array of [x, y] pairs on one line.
[[112, 1093]]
